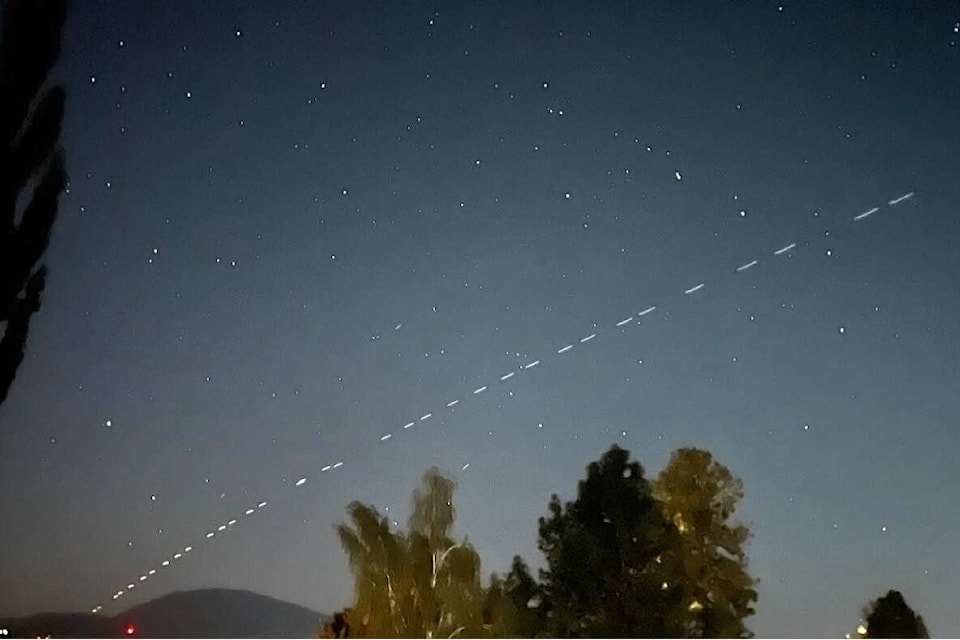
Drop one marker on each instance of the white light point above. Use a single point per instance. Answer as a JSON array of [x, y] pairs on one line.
[[338, 465], [250, 511], [464, 467], [232, 522], [262, 504], [677, 174], [302, 481]]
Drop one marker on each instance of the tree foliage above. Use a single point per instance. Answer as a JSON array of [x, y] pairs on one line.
[[603, 577], [421, 583], [891, 617], [31, 166], [706, 560]]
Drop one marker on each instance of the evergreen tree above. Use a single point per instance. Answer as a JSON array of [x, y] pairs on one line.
[[706, 562], [891, 617], [602, 578], [31, 166]]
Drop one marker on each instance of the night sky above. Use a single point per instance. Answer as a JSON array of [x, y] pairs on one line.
[[293, 228]]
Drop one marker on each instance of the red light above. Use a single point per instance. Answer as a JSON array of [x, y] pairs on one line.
[[131, 630]]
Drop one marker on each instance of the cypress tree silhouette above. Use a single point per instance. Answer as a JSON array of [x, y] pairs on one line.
[[32, 169], [891, 617]]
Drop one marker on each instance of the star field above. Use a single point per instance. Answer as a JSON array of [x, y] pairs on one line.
[[310, 250]]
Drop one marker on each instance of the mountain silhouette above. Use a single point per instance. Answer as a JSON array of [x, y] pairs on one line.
[[204, 613]]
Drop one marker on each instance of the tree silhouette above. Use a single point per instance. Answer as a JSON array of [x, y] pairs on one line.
[[419, 584], [30, 122], [526, 597], [602, 576], [707, 562], [891, 617]]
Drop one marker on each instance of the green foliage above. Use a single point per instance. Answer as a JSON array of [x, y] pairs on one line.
[[419, 584], [627, 558], [602, 578], [31, 166], [891, 617], [706, 560]]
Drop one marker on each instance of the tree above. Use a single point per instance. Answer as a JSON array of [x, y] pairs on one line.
[[419, 584], [30, 122], [337, 626], [891, 617], [602, 576], [706, 561]]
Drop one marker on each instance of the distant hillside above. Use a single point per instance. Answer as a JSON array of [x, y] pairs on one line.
[[205, 613]]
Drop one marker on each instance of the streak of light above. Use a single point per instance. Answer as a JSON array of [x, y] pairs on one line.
[[386, 437], [866, 213], [783, 250], [744, 267], [588, 338], [693, 289], [905, 196], [531, 365], [647, 310], [301, 482], [565, 349], [507, 376], [624, 321], [479, 390]]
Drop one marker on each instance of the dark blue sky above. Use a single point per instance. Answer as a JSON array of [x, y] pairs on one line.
[[292, 228]]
